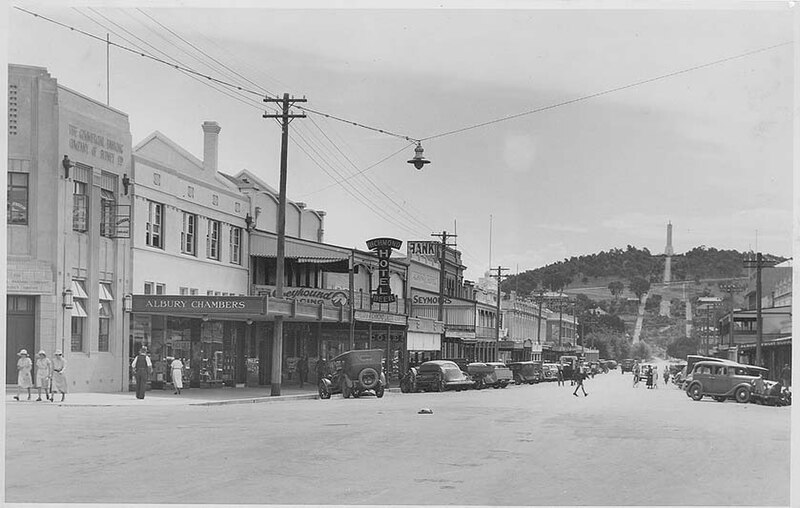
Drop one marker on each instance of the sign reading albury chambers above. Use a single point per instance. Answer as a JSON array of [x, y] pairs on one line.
[[163, 304]]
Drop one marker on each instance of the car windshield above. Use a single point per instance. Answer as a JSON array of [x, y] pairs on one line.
[[451, 373]]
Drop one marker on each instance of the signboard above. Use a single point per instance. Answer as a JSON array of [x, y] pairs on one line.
[[163, 304], [99, 146], [383, 248], [379, 317], [330, 297], [425, 252]]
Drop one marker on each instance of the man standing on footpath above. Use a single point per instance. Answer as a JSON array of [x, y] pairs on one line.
[[142, 367]]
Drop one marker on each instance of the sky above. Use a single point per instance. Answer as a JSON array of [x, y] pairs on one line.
[[709, 149]]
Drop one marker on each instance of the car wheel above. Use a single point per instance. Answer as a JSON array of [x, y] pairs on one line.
[[719, 398], [368, 377], [323, 392], [696, 391], [503, 385], [379, 391], [742, 395], [517, 381], [480, 385], [356, 394]]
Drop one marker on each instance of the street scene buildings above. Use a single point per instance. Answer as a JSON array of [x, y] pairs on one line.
[[157, 245]]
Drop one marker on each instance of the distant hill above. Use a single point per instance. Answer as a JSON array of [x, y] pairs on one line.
[[591, 278], [598, 270]]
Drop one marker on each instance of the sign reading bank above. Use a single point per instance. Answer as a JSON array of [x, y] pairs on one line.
[[163, 304]]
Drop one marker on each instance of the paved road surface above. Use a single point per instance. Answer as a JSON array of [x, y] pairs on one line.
[[522, 445]]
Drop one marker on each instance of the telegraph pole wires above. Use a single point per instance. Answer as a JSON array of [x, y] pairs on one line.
[[499, 277], [284, 117]]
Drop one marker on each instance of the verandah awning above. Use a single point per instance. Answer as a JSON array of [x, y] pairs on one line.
[[302, 251]]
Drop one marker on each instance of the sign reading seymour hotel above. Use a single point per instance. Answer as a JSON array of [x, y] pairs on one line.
[[160, 304]]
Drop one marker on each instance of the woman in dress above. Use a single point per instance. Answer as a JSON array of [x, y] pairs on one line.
[[44, 373], [59, 378], [177, 375], [24, 367]]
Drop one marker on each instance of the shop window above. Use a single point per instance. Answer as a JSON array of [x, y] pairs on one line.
[[161, 289], [189, 234], [154, 226], [77, 333], [17, 209], [102, 336], [236, 245], [212, 239]]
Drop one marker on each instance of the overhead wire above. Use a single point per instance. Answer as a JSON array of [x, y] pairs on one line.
[[605, 92], [251, 102]]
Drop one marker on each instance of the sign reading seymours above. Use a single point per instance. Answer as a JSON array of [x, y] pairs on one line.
[[162, 304], [383, 248]]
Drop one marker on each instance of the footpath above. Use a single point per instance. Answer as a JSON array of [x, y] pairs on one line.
[[166, 397]]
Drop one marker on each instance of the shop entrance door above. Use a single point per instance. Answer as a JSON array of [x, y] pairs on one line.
[[20, 332]]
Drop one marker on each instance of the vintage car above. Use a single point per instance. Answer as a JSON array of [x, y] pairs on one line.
[[494, 374], [627, 365], [526, 372], [354, 373], [441, 375], [722, 381], [770, 393], [550, 371]]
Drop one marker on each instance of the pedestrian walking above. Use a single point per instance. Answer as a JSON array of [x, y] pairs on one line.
[[666, 375], [636, 372], [24, 367], [560, 375], [302, 370], [44, 374], [142, 367], [177, 375], [580, 376], [786, 375], [649, 374], [59, 378]]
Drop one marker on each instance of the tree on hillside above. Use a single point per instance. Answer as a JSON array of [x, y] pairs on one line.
[[641, 350], [639, 286], [556, 280], [683, 346], [616, 287]]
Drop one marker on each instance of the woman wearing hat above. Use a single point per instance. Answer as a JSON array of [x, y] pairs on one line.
[[24, 366], [59, 378], [44, 373]]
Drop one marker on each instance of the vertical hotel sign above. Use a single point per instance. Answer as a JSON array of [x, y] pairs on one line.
[[383, 248]]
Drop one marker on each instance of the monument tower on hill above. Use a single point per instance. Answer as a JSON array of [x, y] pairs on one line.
[[668, 252]]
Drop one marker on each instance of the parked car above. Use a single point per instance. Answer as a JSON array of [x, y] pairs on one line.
[[526, 372], [550, 371], [627, 365], [441, 375], [494, 374], [354, 373], [722, 381], [611, 364]]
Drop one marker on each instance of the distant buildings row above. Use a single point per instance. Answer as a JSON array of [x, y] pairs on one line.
[[113, 246]]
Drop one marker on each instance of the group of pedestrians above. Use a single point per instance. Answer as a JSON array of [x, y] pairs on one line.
[[143, 368], [50, 375]]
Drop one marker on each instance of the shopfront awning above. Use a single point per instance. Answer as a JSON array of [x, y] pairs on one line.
[[302, 251], [418, 341]]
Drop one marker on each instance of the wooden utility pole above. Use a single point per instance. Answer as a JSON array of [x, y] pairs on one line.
[[277, 340], [730, 288], [499, 277], [759, 262], [442, 260]]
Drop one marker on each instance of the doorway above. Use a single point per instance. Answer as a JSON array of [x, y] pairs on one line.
[[20, 332]]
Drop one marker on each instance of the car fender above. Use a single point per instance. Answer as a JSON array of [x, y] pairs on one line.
[[383, 379], [326, 382]]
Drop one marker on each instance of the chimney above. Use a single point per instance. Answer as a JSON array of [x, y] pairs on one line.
[[210, 146]]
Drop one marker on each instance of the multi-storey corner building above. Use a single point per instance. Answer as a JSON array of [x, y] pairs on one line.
[[68, 229]]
